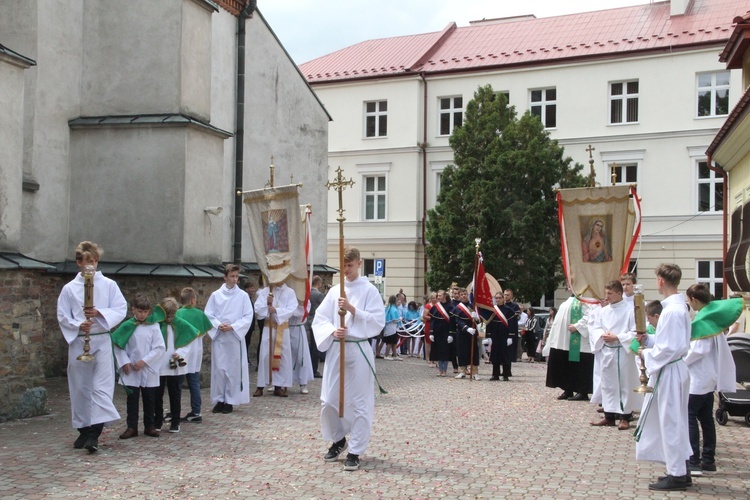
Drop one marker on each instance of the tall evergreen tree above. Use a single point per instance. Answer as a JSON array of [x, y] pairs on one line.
[[501, 188]]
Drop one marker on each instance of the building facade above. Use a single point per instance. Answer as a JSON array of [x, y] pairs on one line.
[[133, 124], [641, 85]]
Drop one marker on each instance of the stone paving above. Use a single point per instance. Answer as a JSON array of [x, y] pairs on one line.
[[433, 438]]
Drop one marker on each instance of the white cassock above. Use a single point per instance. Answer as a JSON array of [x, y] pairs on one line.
[[619, 373], [302, 371], [359, 395], [165, 368], [230, 378], [145, 344], [92, 383], [711, 365], [285, 303], [663, 425], [591, 319]]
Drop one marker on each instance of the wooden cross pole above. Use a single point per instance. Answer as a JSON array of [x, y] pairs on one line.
[[339, 184]]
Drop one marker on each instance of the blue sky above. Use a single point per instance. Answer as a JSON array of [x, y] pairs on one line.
[[313, 28]]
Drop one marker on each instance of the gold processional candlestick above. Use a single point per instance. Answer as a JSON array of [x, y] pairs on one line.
[[87, 272], [639, 304], [339, 184]]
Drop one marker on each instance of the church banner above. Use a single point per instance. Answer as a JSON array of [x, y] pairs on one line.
[[278, 236], [599, 227]]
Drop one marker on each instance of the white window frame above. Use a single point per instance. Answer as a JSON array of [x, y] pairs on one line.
[[698, 156], [712, 88], [374, 170], [623, 99], [437, 168], [451, 112], [375, 115], [544, 104], [715, 283], [627, 159]]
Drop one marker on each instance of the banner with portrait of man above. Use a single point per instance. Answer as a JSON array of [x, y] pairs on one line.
[[598, 230], [277, 233]]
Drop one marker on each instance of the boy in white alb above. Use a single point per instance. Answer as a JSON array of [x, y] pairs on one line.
[[364, 319], [91, 383], [139, 347], [275, 308]]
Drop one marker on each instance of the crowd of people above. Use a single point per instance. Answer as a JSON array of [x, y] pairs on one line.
[[594, 352]]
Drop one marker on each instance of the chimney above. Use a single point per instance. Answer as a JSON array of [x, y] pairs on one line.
[[679, 7]]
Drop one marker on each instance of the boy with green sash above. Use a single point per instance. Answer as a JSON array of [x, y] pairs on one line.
[[138, 347], [711, 368]]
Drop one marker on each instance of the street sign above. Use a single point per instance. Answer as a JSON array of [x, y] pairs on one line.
[[379, 267]]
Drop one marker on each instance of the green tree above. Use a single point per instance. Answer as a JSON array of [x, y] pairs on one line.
[[501, 189]]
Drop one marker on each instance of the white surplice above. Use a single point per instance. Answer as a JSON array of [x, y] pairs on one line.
[[664, 416], [359, 375], [619, 374], [230, 378], [302, 371], [147, 345], [559, 336], [184, 352], [285, 303], [92, 383], [711, 365]]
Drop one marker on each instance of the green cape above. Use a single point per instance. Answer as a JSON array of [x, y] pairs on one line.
[[184, 332], [195, 317], [715, 317], [121, 336]]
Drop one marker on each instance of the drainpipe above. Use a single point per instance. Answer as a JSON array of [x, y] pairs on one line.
[[239, 135], [725, 196], [423, 147]]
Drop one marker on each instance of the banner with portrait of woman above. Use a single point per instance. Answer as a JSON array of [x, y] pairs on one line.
[[277, 233], [598, 230]]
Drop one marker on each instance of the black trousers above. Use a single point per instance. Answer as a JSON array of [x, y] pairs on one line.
[[173, 384], [618, 416], [314, 353], [149, 396], [701, 411]]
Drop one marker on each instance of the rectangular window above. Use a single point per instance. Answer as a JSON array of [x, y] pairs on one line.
[[710, 272], [544, 105], [626, 173], [710, 189], [375, 197], [713, 94], [451, 114], [623, 102], [376, 119]]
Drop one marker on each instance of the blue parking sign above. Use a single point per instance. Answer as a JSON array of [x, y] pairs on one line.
[[379, 267]]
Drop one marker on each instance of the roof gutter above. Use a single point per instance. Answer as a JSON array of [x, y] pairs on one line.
[[423, 147], [239, 135]]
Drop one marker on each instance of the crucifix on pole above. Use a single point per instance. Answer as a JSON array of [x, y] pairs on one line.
[[339, 184]]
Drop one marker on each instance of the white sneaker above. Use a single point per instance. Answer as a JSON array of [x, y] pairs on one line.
[[390, 358], [460, 375], [398, 358], [303, 389], [477, 377]]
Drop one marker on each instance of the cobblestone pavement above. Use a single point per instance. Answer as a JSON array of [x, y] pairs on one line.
[[433, 438]]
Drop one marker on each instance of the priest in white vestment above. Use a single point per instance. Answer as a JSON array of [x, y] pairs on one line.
[[230, 311]]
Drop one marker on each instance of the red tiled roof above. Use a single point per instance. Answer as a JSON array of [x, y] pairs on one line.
[[605, 33]]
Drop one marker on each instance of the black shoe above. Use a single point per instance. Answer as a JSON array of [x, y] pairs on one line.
[[227, 408], [81, 439], [671, 483], [218, 408], [317, 375], [174, 428], [579, 397], [91, 444], [689, 479], [708, 467], [506, 379], [352, 462], [492, 379], [565, 395], [335, 450], [196, 418]]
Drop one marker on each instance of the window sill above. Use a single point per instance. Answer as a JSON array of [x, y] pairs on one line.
[[622, 124], [711, 117]]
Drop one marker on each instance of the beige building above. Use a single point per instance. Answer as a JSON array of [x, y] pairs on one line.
[[642, 85]]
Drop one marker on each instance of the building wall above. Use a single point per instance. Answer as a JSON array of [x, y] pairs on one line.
[[668, 138]]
